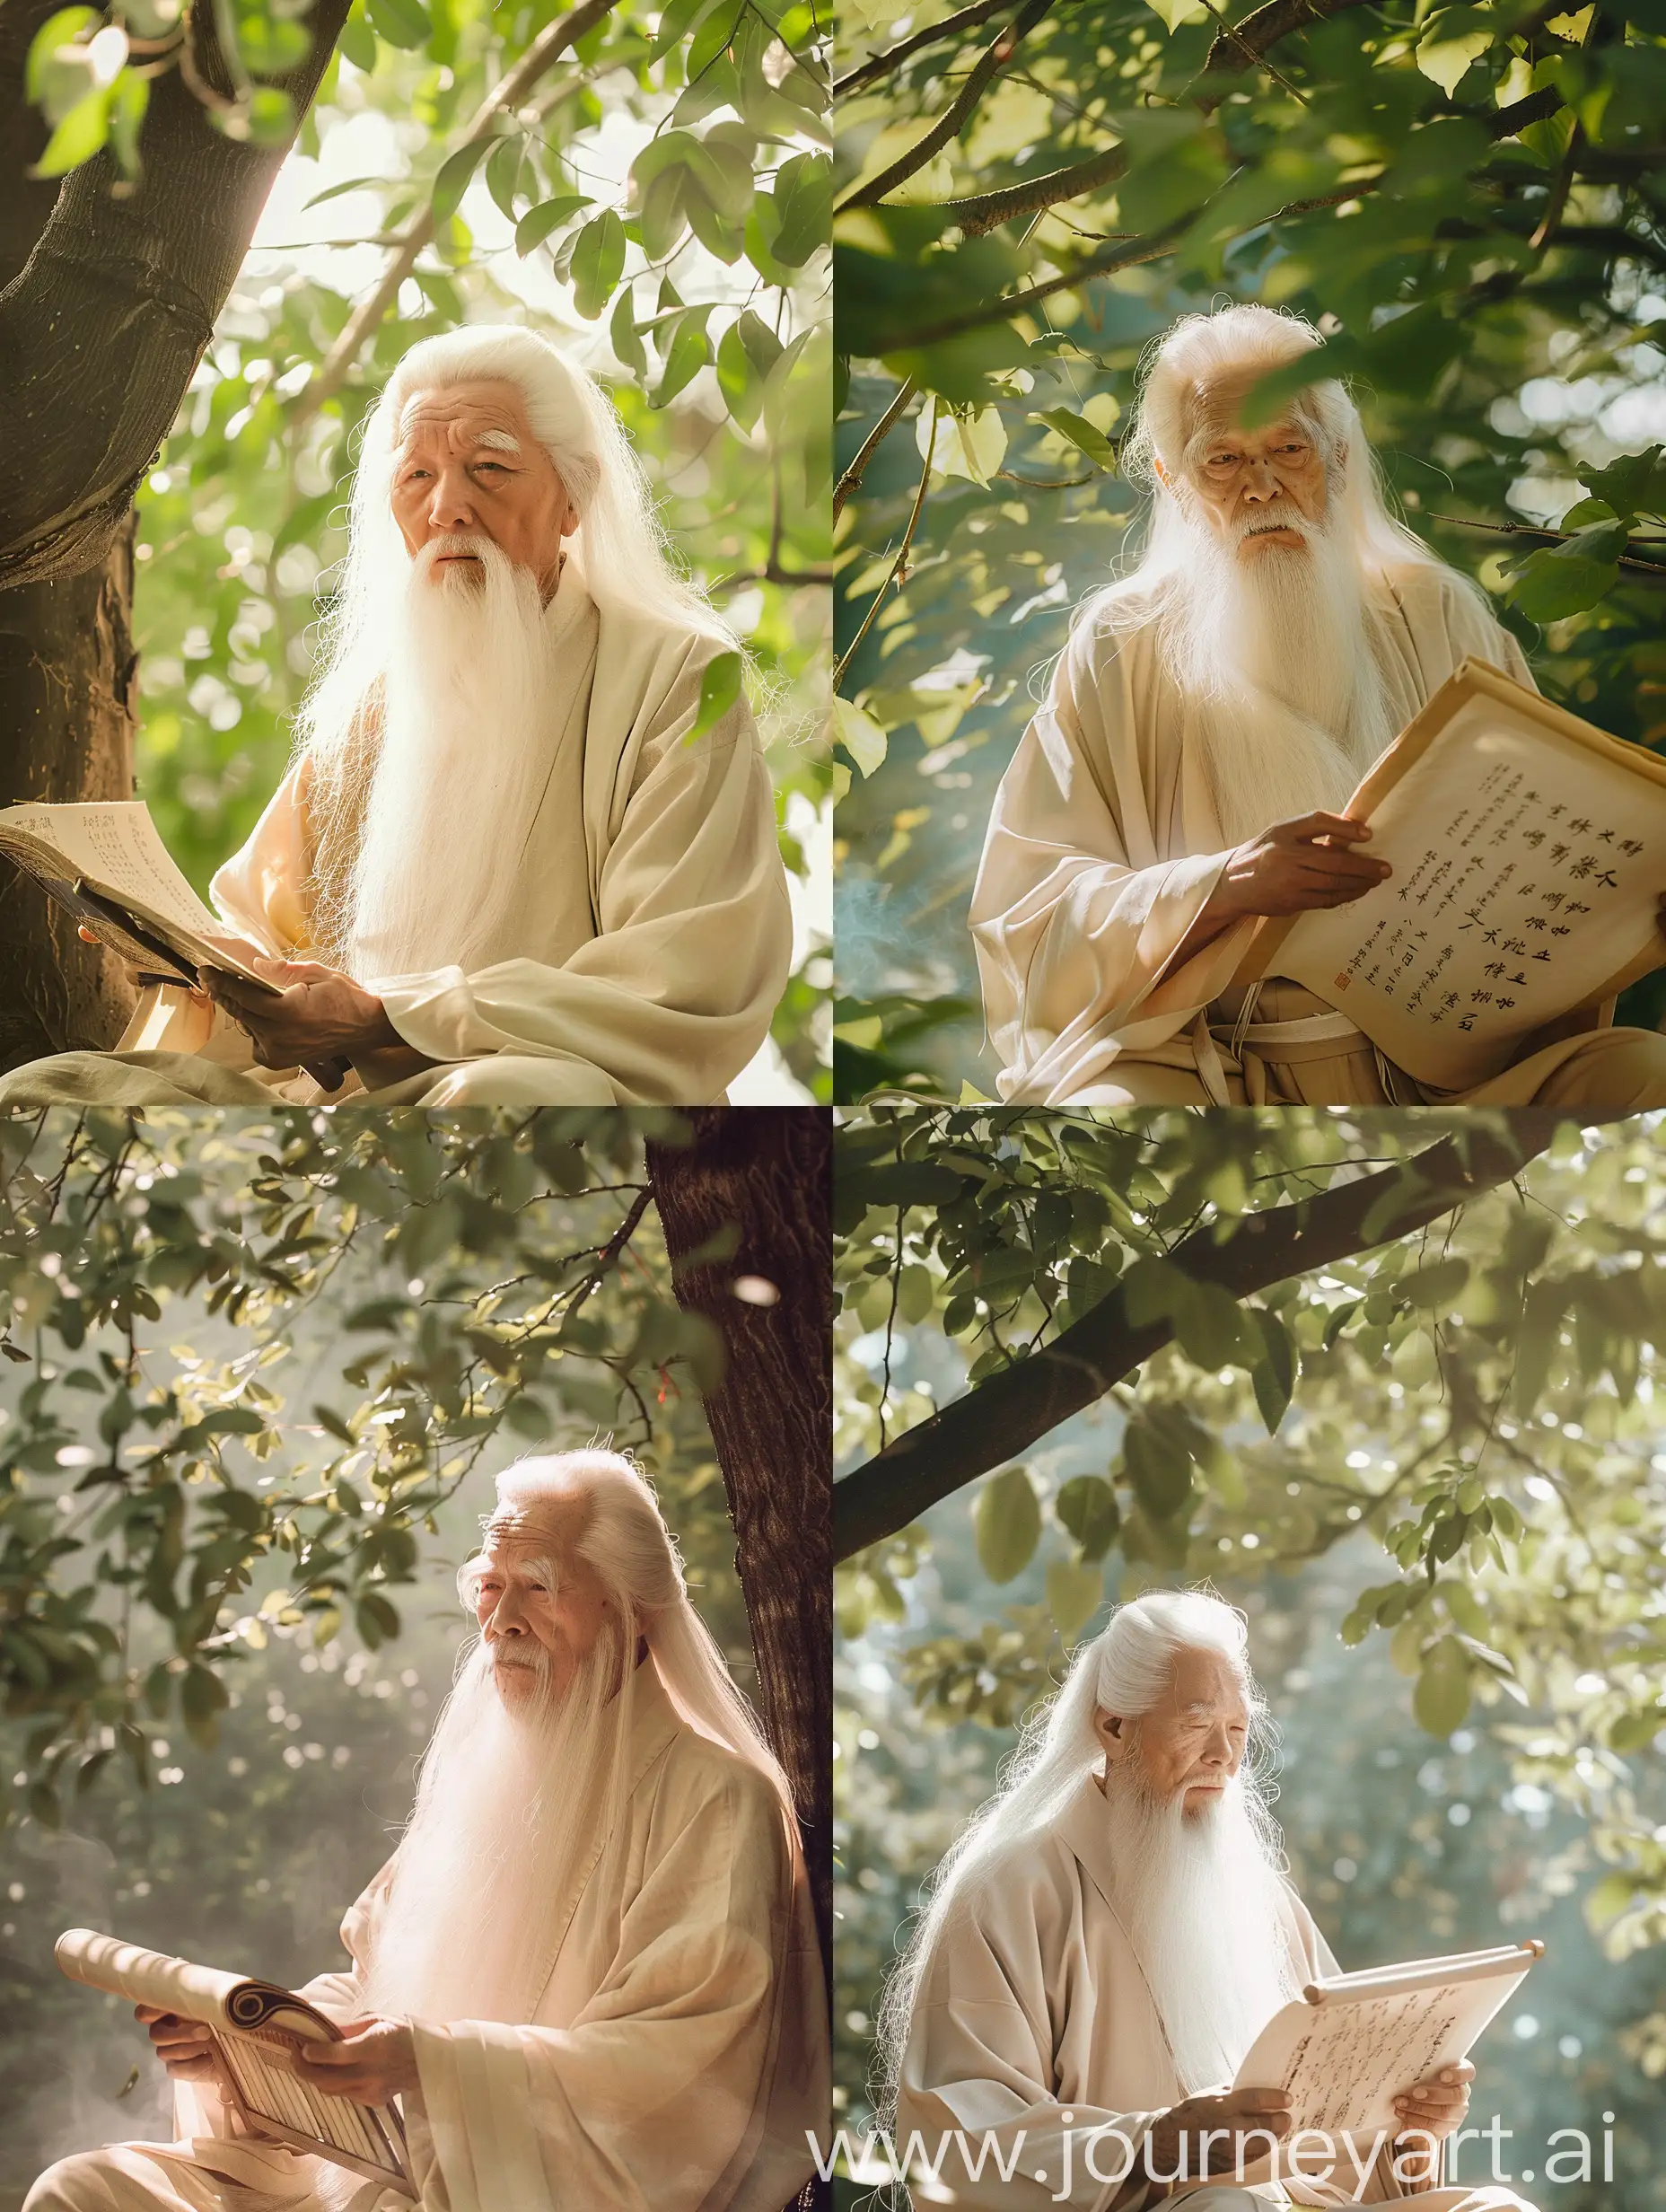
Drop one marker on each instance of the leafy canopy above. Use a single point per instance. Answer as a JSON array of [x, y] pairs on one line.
[[176, 1477]]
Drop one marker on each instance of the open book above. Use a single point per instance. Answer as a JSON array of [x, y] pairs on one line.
[[248, 2019], [1528, 850], [105, 862], [1349, 2047]]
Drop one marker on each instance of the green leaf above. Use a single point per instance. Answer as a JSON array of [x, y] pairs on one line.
[[1274, 1371], [401, 22], [625, 337], [1077, 431], [1073, 1596], [1159, 1466], [720, 688], [60, 29], [1006, 1521], [503, 174], [358, 43], [861, 736], [535, 226], [597, 263], [1087, 1507], [1436, 1284], [688, 353], [803, 197], [1441, 1696], [78, 137], [335, 191], [453, 179]]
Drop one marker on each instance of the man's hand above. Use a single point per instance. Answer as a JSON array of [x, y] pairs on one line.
[[1297, 866], [1230, 2117], [1438, 2106], [185, 2047], [377, 2060], [320, 1016]]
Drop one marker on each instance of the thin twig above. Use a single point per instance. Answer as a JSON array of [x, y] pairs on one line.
[[908, 539], [544, 52], [870, 445], [1551, 537], [952, 120], [878, 65]]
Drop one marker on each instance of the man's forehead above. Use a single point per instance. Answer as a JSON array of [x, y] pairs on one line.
[[515, 1534], [463, 416], [1214, 402]]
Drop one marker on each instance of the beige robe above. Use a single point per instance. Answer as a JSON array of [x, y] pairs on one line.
[[1035, 2019], [642, 964], [673, 2064], [1103, 848]]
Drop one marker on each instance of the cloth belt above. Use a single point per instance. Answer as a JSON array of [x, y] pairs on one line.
[[1242, 1048]]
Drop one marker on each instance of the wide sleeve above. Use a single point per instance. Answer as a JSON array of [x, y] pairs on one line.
[[669, 1002], [261, 890], [1081, 903], [976, 2100], [659, 2089]]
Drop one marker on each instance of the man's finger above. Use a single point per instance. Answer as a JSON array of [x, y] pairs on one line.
[[1342, 828]]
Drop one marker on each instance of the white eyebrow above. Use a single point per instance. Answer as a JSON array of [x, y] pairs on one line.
[[506, 441]]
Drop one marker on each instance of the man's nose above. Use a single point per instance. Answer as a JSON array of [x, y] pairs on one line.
[[504, 1621], [1260, 481], [451, 507]]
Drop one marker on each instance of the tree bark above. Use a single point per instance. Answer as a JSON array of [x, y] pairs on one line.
[[108, 303], [101, 331], [1003, 1416], [67, 666], [767, 1172]]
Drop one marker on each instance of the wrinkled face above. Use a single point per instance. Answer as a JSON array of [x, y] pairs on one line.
[[540, 1605], [1241, 480], [1191, 1742], [467, 465]]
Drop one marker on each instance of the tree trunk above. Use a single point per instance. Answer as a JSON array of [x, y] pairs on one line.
[[768, 1171], [66, 692], [65, 670], [107, 305]]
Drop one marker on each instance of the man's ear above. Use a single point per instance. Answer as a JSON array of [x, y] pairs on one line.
[[1161, 473]]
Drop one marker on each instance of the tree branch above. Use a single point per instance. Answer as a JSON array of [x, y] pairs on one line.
[[1240, 46], [102, 329], [550, 44], [954, 117], [899, 566], [1002, 1418], [870, 445], [1130, 253], [880, 66], [1656, 569], [987, 209]]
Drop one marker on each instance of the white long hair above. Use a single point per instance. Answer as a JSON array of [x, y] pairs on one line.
[[1126, 1668], [620, 546]]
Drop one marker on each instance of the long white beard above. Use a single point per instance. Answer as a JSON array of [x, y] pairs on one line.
[[1275, 655], [465, 751], [1198, 1898], [510, 1798]]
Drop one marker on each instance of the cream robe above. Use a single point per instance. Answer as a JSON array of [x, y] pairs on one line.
[[674, 2062], [1104, 847], [646, 953], [1035, 2019]]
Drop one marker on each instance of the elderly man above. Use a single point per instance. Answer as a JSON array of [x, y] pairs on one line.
[[1106, 1940], [590, 1969], [1207, 723], [506, 866]]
